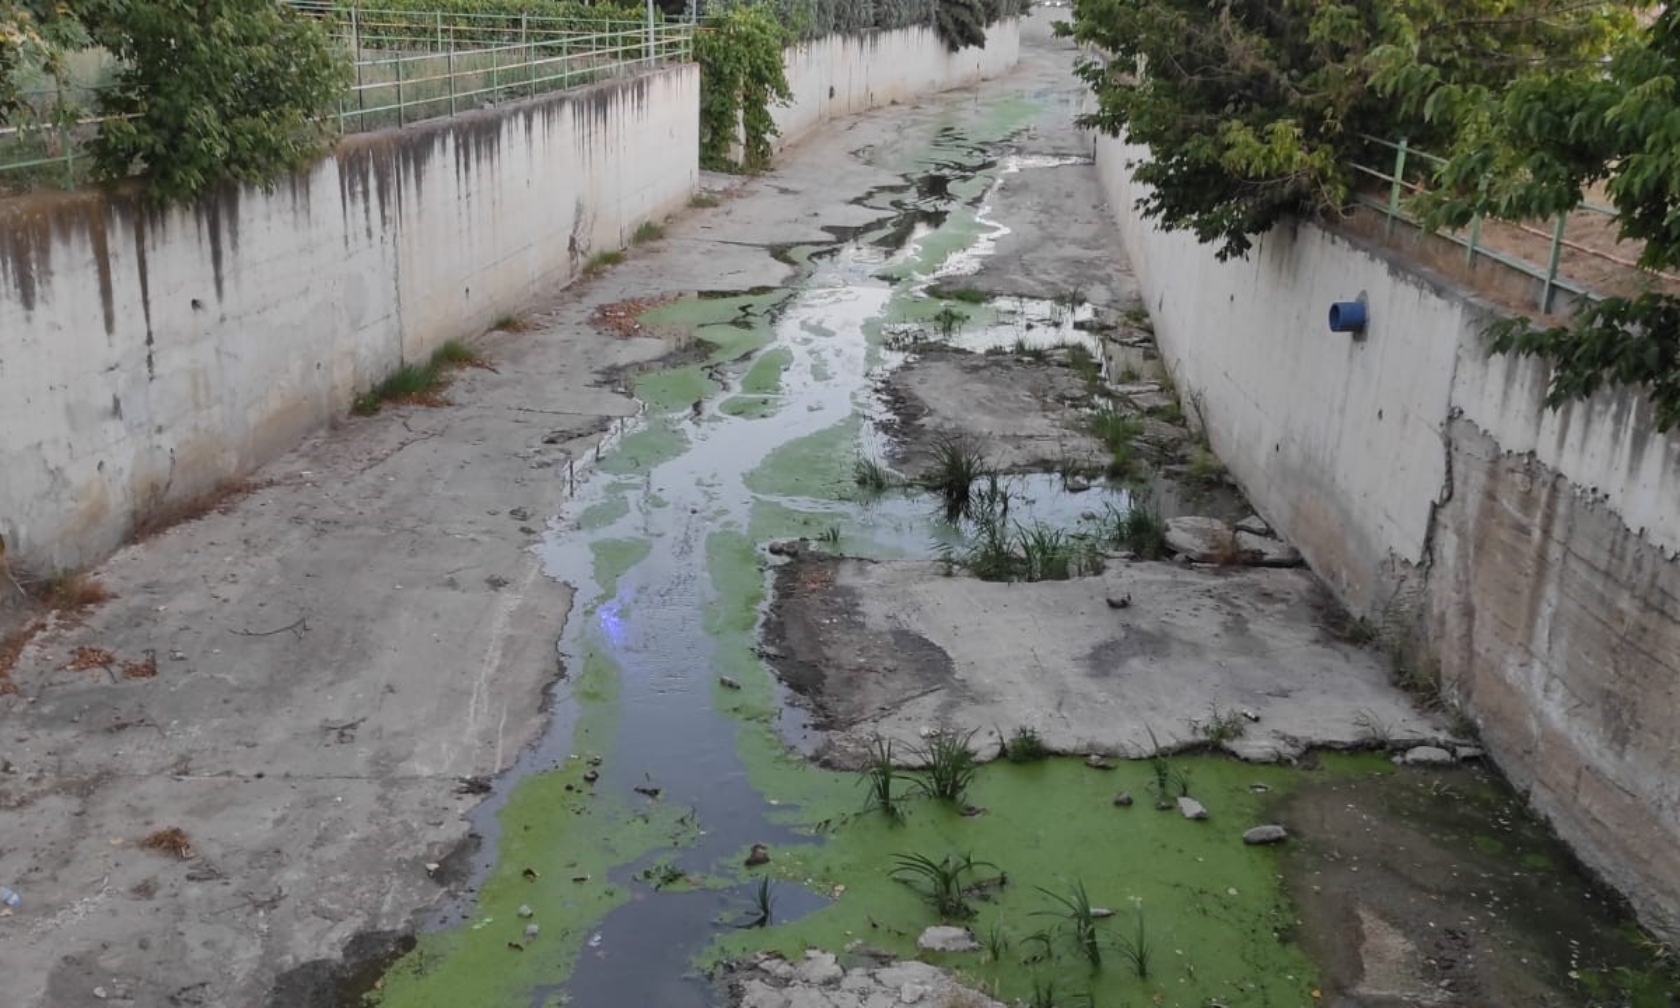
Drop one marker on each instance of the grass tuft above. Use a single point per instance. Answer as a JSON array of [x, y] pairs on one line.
[[648, 231], [881, 777], [949, 766], [957, 463], [1025, 745], [1076, 920], [1116, 431], [943, 884], [602, 261], [871, 475], [1138, 529], [703, 201]]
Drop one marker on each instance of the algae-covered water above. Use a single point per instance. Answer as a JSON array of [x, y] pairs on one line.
[[612, 871]]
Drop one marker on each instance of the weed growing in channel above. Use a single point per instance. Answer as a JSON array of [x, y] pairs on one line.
[[1221, 726], [764, 904], [1204, 466], [1051, 554], [1135, 947], [829, 536], [420, 384], [1025, 745], [943, 884], [703, 201], [949, 766], [950, 322], [1116, 431], [871, 475], [1084, 364], [1045, 995], [997, 942], [882, 777], [1077, 920], [967, 295], [957, 463], [648, 231], [1141, 530], [602, 261]]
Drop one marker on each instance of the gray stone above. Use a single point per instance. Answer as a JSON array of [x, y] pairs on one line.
[[1190, 808], [1264, 551], [1269, 834], [1153, 402], [1199, 540], [1123, 799], [912, 993], [820, 970], [1424, 755], [779, 968], [1469, 752], [899, 974], [758, 994], [525, 910], [1253, 525], [941, 938], [532, 930]]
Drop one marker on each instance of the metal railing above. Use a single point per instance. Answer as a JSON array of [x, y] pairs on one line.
[[1480, 241], [409, 66]]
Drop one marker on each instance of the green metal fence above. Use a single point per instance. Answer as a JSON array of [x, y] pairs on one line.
[[1408, 173], [408, 67]]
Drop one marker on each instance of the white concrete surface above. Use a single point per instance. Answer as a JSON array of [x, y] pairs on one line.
[[1538, 546], [840, 75], [146, 357]]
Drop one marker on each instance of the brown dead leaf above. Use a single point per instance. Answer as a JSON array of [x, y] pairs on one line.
[[170, 840], [145, 668], [624, 318], [89, 657]]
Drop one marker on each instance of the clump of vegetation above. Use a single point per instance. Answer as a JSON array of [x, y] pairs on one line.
[[703, 201], [1135, 947], [602, 261], [1220, 726], [967, 295], [741, 77], [419, 384], [1204, 466], [881, 776], [1085, 364], [949, 322], [948, 766], [1025, 745], [512, 323], [1116, 430], [1076, 921], [871, 475], [1138, 529], [957, 463], [647, 231], [945, 884], [829, 536]]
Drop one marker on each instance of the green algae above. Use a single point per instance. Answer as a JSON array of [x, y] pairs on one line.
[[674, 390], [639, 452], [599, 516], [1213, 907], [613, 557], [556, 844], [765, 375], [817, 466], [752, 407]]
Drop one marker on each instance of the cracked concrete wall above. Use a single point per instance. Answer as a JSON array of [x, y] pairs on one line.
[[840, 75], [1539, 545], [148, 356]]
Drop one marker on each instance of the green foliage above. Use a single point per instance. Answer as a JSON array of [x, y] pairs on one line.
[[34, 38], [812, 19], [210, 92], [948, 766], [432, 25], [1254, 109], [1025, 745], [1076, 920], [957, 463], [740, 56], [1139, 529], [881, 777], [945, 884]]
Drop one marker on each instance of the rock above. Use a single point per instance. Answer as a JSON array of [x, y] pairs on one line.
[[1190, 808], [1199, 540], [1076, 484], [786, 547], [820, 969], [759, 855], [1264, 551], [1119, 602], [1123, 799], [1097, 761], [940, 938], [1253, 525], [1099, 913], [911, 993], [531, 930], [728, 683], [778, 967], [525, 910], [970, 811], [1268, 834], [1469, 752], [1424, 755], [758, 994], [1153, 402], [1136, 388], [591, 776]]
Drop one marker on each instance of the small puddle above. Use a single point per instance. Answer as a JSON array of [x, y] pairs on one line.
[[623, 830]]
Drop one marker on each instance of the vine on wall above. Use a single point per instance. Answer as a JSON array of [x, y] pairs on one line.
[[740, 56]]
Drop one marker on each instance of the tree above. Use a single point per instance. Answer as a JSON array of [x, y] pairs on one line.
[[33, 39], [211, 91], [1533, 151], [1253, 109]]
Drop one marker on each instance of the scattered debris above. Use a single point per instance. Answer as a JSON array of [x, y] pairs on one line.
[[89, 657], [1121, 602], [784, 547], [759, 855], [624, 318], [646, 789], [591, 776], [1123, 799], [145, 668], [472, 785], [531, 874], [1097, 761], [170, 840], [728, 683]]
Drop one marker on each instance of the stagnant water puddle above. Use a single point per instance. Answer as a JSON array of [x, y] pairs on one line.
[[611, 864]]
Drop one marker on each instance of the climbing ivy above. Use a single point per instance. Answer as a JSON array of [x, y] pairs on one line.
[[740, 55]]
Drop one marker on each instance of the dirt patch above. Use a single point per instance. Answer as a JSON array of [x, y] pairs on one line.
[[1439, 889], [814, 619], [1144, 654], [1024, 415]]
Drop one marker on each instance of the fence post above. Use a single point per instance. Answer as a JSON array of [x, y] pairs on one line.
[[1394, 190], [402, 110], [64, 142], [356, 54], [530, 53], [650, 56], [451, 65], [1550, 285]]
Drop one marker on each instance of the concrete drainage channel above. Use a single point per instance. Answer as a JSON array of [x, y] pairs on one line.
[[754, 791]]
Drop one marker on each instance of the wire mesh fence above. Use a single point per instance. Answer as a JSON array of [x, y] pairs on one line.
[[408, 66]]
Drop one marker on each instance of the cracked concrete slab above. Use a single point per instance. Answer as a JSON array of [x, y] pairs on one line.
[[899, 649]]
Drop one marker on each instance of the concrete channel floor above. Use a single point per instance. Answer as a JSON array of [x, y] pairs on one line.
[[339, 649]]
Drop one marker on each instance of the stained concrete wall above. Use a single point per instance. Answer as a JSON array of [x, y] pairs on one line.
[[841, 75], [1538, 547], [149, 356]]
